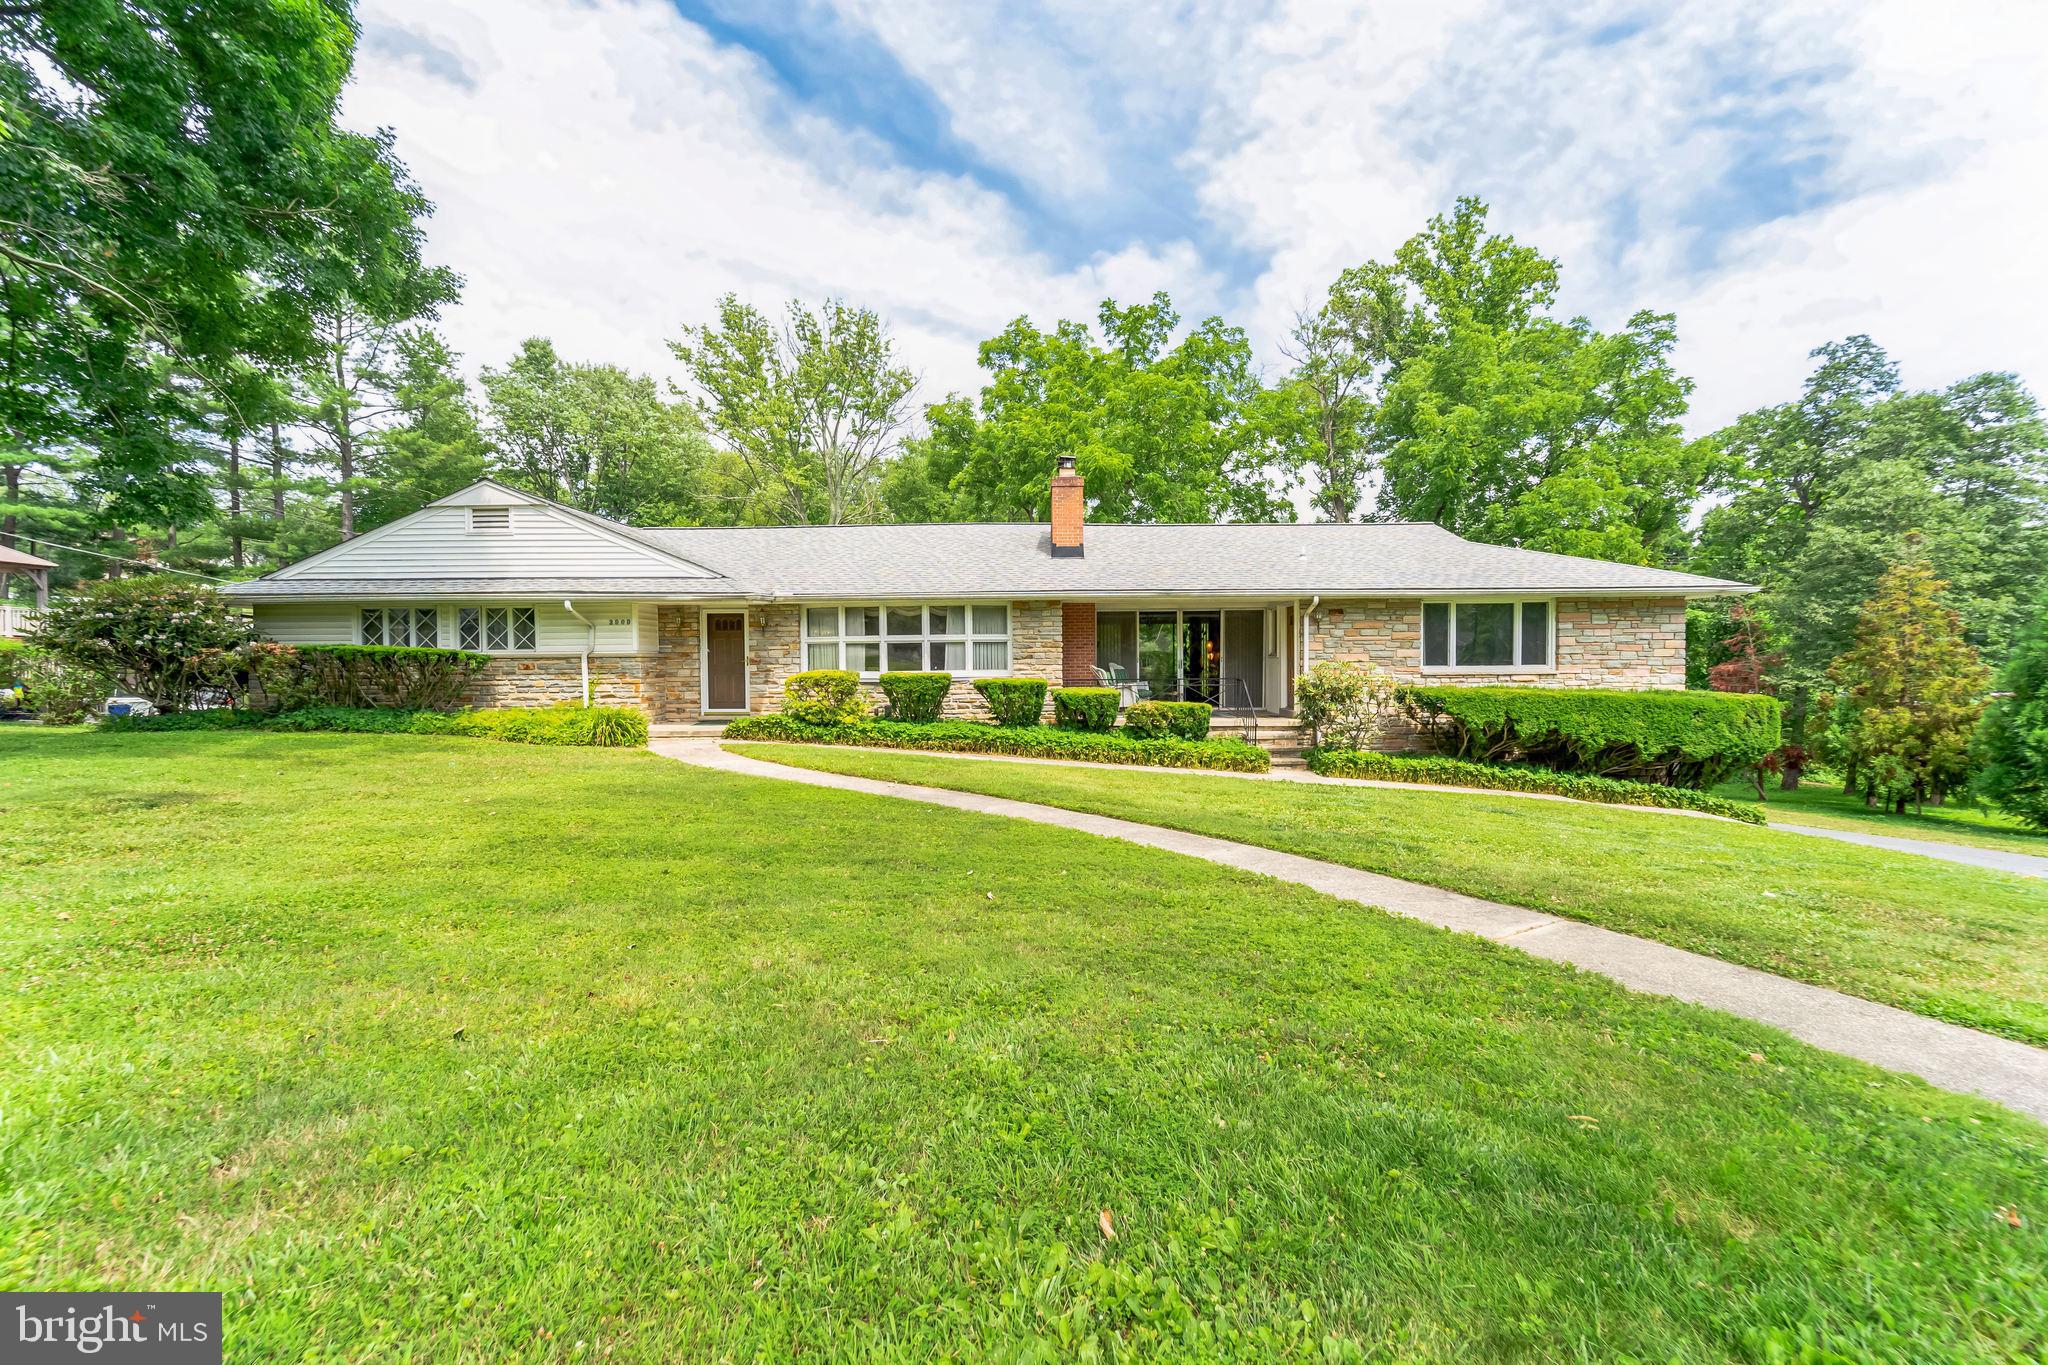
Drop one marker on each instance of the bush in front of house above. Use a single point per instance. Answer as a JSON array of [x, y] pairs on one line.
[[824, 696], [1452, 772], [1092, 709], [165, 641], [1019, 741], [1343, 705], [408, 678], [603, 727], [1013, 701], [1682, 739], [1185, 719], [54, 692], [916, 697]]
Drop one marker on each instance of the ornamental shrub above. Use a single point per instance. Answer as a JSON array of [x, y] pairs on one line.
[[163, 640], [410, 679], [1092, 709], [1452, 772], [1686, 739], [567, 724], [1013, 701], [916, 696], [57, 693], [824, 696], [1343, 704], [1022, 741], [1186, 719]]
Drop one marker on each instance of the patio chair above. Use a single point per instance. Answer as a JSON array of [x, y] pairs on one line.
[[1128, 691]]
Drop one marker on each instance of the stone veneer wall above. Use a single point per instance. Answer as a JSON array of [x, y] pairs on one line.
[[1626, 643], [615, 680]]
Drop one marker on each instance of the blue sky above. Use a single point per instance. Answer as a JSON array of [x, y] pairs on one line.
[[1775, 174]]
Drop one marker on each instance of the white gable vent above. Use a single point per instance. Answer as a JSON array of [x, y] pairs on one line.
[[490, 519]]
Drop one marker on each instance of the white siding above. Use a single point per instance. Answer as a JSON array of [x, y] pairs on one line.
[[619, 624], [437, 543]]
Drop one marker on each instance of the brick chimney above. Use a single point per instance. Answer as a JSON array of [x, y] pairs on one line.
[[1068, 510]]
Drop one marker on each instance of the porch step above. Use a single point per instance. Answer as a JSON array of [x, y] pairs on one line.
[[686, 729]]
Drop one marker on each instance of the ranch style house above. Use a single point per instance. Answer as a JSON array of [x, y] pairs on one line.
[[694, 623]]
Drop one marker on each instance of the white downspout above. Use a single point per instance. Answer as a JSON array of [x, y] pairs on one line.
[[1313, 602], [589, 641]]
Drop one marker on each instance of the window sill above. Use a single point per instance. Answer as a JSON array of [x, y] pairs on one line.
[[1488, 668]]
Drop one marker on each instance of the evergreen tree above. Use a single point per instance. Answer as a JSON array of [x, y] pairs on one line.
[[1911, 690], [2012, 743]]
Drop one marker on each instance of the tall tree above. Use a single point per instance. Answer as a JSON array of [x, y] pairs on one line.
[[1161, 431], [807, 415], [436, 446], [1911, 690], [2012, 741], [595, 437], [1506, 424], [1323, 410], [175, 198]]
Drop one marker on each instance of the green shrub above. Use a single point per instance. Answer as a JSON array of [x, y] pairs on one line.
[[410, 679], [1686, 739], [165, 641], [1452, 772], [568, 724], [1186, 719], [2012, 739], [1086, 708], [916, 696], [58, 693], [823, 696], [1013, 701], [1342, 704], [1022, 741]]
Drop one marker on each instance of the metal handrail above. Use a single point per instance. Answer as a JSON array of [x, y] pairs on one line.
[[1250, 708]]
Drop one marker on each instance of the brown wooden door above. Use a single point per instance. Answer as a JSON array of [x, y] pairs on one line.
[[725, 661]]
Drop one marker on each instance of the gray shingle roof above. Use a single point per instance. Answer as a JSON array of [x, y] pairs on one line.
[[1254, 560], [353, 588]]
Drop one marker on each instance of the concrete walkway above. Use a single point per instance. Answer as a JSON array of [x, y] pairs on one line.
[[2026, 864], [1946, 1055]]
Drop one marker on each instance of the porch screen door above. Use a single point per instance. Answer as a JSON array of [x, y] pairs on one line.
[[725, 661]]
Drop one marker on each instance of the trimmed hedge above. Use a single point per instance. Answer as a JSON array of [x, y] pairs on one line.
[[1686, 739], [1024, 741], [407, 678], [824, 696], [604, 727], [1013, 701], [1092, 709], [916, 696], [1186, 719], [1452, 772]]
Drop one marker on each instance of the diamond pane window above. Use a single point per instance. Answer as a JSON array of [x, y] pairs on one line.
[[469, 622], [522, 628], [373, 625], [497, 630]]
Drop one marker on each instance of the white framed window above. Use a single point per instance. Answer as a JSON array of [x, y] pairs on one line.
[[1498, 635], [495, 629], [419, 627], [970, 640]]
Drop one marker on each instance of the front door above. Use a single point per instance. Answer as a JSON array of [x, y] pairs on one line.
[[1202, 656], [725, 661]]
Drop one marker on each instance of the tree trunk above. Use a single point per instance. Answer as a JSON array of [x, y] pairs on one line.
[[235, 497], [345, 451], [7, 524], [276, 475]]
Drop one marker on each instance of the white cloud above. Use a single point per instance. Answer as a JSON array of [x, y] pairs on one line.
[[604, 172]]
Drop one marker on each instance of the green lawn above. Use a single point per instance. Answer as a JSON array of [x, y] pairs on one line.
[[436, 1048], [1822, 804], [1953, 942]]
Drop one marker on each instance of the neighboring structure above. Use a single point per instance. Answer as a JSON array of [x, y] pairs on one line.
[[14, 620], [708, 621]]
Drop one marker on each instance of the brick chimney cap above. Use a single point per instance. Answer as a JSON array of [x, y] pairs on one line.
[[1066, 464]]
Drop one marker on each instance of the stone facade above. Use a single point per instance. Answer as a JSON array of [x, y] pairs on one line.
[[615, 680], [1623, 643]]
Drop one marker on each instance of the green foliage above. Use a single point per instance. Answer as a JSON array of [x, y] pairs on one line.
[[1508, 425], [57, 693], [408, 678], [806, 415], [823, 696], [1453, 772], [160, 638], [1013, 701], [1086, 708], [1342, 704], [1688, 739], [569, 724], [1023, 741], [597, 438], [436, 446], [1161, 431], [1187, 719], [1910, 693], [916, 696], [2012, 741]]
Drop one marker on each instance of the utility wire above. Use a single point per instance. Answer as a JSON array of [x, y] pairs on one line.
[[145, 563]]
